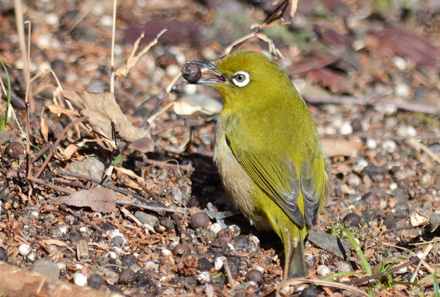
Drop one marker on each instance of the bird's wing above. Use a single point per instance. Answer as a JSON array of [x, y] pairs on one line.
[[275, 173]]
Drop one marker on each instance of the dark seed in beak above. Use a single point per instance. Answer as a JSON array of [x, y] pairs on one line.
[[192, 72]]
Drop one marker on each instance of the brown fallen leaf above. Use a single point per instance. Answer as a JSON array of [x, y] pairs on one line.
[[99, 200], [340, 147], [400, 42], [316, 61], [102, 110], [329, 78]]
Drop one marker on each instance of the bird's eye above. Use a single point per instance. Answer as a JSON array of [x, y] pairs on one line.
[[240, 79]]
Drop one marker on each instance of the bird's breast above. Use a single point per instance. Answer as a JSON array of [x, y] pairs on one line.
[[237, 183]]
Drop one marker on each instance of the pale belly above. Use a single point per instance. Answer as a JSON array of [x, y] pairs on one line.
[[237, 183]]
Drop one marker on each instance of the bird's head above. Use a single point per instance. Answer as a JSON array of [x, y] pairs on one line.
[[246, 78]]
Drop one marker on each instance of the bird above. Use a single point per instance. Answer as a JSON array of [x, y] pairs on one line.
[[267, 149]]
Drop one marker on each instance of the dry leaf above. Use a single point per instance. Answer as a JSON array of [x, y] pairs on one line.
[[53, 242], [44, 128], [61, 110], [198, 107], [102, 110], [99, 200], [143, 145], [340, 147], [69, 151]]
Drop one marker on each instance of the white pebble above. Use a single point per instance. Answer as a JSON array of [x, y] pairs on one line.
[[190, 89], [62, 229], [32, 256], [389, 146], [44, 41], [216, 227], [24, 249], [346, 128], [259, 268], [173, 70], [330, 130], [323, 270], [400, 63], [393, 187], [204, 277], [61, 266], [359, 165], [407, 131], [254, 239], [83, 229], [358, 44], [35, 214], [52, 19], [209, 290], [218, 263], [402, 90], [166, 252], [80, 279], [106, 21], [371, 143]]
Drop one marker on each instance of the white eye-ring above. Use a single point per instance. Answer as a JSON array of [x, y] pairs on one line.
[[240, 78]]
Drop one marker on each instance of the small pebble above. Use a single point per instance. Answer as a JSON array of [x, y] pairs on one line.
[[24, 249], [389, 146], [359, 165], [353, 219], [371, 198], [310, 260], [256, 276], [127, 276], [80, 279], [311, 291], [344, 267], [402, 90], [371, 143], [172, 70], [400, 63], [166, 252], [46, 268], [204, 264], [15, 150], [204, 277], [3, 254], [218, 263], [393, 187], [406, 131], [323, 270], [95, 281], [346, 128], [199, 220], [106, 21], [32, 256], [215, 228]]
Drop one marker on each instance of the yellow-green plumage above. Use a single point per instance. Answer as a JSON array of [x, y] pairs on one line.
[[268, 151]]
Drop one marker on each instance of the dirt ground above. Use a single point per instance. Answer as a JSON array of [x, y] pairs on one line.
[[101, 188]]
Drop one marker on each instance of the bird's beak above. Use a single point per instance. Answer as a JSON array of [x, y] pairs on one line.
[[211, 77]]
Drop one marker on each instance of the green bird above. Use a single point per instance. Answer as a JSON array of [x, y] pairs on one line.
[[267, 149]]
